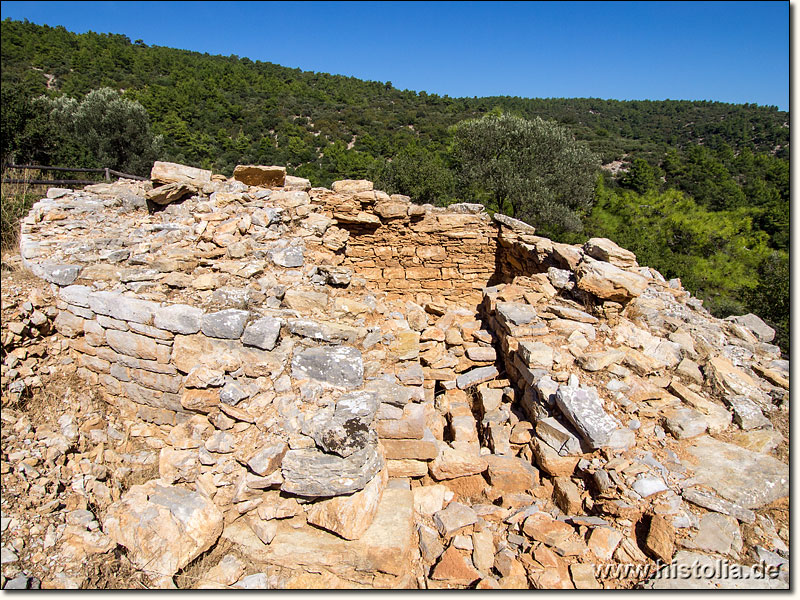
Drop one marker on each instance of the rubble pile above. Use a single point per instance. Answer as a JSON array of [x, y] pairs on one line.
[[340, 388]]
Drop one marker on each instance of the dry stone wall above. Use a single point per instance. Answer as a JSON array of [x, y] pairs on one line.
[[361, 391], [412, 250]]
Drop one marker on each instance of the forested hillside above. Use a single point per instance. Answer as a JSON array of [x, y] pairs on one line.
[[703, 192]]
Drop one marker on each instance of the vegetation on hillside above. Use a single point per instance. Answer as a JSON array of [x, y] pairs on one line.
[[703, 193]]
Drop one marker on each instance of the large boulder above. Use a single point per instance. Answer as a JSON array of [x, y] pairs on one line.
[[609, 282], [260, 175], [311, 472], [748, 479], [167, 172], [163, 527], [350, 516], [606, 250]]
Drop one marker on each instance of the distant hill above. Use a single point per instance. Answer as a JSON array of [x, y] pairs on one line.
[[218, 111]]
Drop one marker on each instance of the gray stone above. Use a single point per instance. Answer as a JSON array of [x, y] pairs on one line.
[[748, 479], [257, 581], [226, 324], [179, 318], [411, 375], [535, 354], [573, 314], [76, 294], [347, 430], [429, 545], [7, 556], [514, 224], [717, 533], [54, 192], [469, 208], [163, 527], [558, 437], [266, 460], [339, 366], [290, 257], [232, 393], [60, 274], [311, 472], [584, 409], [122, 308], [761, 330], [711, 502], [516, 313], [325, 332], [389, 392], [20, 582], [561, 279], [746, 413], [476, 376], [647, 486], [683, 422], [262, 333], [482, 354], [452, 518]]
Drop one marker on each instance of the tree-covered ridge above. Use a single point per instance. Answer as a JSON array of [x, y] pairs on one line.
[[217, 111]]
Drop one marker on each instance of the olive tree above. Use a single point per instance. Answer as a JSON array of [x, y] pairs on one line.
[[105, 130], [532, 169]]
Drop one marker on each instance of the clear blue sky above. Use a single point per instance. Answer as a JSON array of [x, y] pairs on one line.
[[726, 51]]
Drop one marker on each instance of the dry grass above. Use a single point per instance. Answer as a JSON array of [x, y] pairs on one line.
[[16, 200], [194, 572]]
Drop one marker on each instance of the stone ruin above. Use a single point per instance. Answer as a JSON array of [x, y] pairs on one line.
[[359, 391]]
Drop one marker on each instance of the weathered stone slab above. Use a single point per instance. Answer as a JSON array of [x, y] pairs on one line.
[[385, 547], [456, 516], [311, 472], [351, 186], [339, 366], [696, 571], [350, 516], [260, 175], [226, 324], [179, 318], [476, 376], [452, 463], [584, 409], [606, 250], [60, 274], [712, 502], [163, 527], [262, 333], [347, 430], [123, 308], [761, 330], [748, 479], [746, 413], [167, 172], [609, 282], [514, 224]]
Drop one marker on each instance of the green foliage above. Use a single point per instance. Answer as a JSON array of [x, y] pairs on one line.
[[219, 111], [103, 130], [641, 177], [26, 133], [770, 298], [535, 168], [719, 255], [418, 173]]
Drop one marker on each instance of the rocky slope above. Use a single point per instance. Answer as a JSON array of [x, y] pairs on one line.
[[251, 383]]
